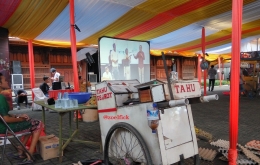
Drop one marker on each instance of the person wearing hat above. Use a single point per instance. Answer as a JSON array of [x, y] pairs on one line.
[[56, 75]]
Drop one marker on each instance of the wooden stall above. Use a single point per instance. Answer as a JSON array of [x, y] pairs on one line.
[[185, 66]]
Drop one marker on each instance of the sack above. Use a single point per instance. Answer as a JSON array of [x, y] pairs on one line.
[[51, 101]]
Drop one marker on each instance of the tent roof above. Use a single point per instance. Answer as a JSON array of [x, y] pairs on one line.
[[171, 26]]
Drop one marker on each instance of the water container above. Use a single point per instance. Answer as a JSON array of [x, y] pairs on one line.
[[153, 116]]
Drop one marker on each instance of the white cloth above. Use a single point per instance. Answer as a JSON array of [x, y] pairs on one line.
[[56, 75], [114, 57]]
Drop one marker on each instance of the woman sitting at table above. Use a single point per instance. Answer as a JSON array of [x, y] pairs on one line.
[[20, 123]]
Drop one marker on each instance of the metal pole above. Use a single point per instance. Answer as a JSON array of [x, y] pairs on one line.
[[237, 9], [31, 64], [199, 69], [219, 73], [167, 76], [203, 47], [73, 47]]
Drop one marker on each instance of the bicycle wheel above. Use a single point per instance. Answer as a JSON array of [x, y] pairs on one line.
[[125, 146]]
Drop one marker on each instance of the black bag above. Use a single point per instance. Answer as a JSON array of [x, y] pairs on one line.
[[51, 101]]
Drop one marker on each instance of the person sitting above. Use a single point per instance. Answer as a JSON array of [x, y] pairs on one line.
[[21, 96], [107, 75], [44, 86], [20, 123]]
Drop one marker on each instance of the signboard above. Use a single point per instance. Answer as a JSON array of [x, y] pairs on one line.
[[255, 55], [186, 89], [244, 65]]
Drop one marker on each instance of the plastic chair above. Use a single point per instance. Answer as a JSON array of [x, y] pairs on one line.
[[9, 133], [38, 96]]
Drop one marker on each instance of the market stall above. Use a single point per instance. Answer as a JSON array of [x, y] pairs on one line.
[[249, 64]]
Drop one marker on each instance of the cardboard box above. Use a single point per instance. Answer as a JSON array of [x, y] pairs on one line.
[[48, 147]]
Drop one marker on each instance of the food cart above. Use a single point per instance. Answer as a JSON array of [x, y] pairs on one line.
[[125, 133]]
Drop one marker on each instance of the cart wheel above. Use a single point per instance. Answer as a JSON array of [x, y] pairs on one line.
[[125, 146]]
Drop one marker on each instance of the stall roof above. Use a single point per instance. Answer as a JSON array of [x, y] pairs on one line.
[[171, 26]]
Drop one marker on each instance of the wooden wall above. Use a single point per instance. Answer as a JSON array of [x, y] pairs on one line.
[[44, 59], [186, 67]]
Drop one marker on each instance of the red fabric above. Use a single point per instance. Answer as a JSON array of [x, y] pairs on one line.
[[165, 17], [31, 64], [73, 46], [237, 9], [203, 47], [7, 9]]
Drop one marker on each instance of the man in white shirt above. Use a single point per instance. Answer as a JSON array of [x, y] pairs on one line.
[[114, 59], [56, 76]]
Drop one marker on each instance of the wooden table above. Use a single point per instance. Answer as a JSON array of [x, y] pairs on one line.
[[61, 113]]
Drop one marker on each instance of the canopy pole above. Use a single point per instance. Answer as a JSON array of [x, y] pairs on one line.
[[73, 47], [220, 71], [237, 8], [199, 69], [31, 65], [203, 46]]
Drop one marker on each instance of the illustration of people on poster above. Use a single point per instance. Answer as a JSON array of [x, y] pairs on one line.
[[126, 59]]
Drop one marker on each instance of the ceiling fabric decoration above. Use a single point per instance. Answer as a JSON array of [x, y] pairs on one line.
[[86, 13], [134, 17], [172, 27], [7, 9], [164, 17], [32, 17]]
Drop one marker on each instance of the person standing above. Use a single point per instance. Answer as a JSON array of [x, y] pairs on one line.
[[44, 86], [114, 59], [140, 56], [212, 73], [126, 63], [56, 75]]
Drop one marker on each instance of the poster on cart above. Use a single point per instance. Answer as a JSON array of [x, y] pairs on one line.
[[124, 59]]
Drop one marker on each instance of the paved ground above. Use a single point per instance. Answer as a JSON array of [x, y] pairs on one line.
[[212, 117]]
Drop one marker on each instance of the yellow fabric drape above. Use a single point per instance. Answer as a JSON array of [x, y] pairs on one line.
[[33, 16]]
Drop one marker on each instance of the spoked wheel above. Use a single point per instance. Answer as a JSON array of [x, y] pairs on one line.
[[125, 146]]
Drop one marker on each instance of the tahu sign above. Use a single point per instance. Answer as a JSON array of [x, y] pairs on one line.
[[186, 90]]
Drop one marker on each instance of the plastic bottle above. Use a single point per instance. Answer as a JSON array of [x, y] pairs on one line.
[[153, 116]]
